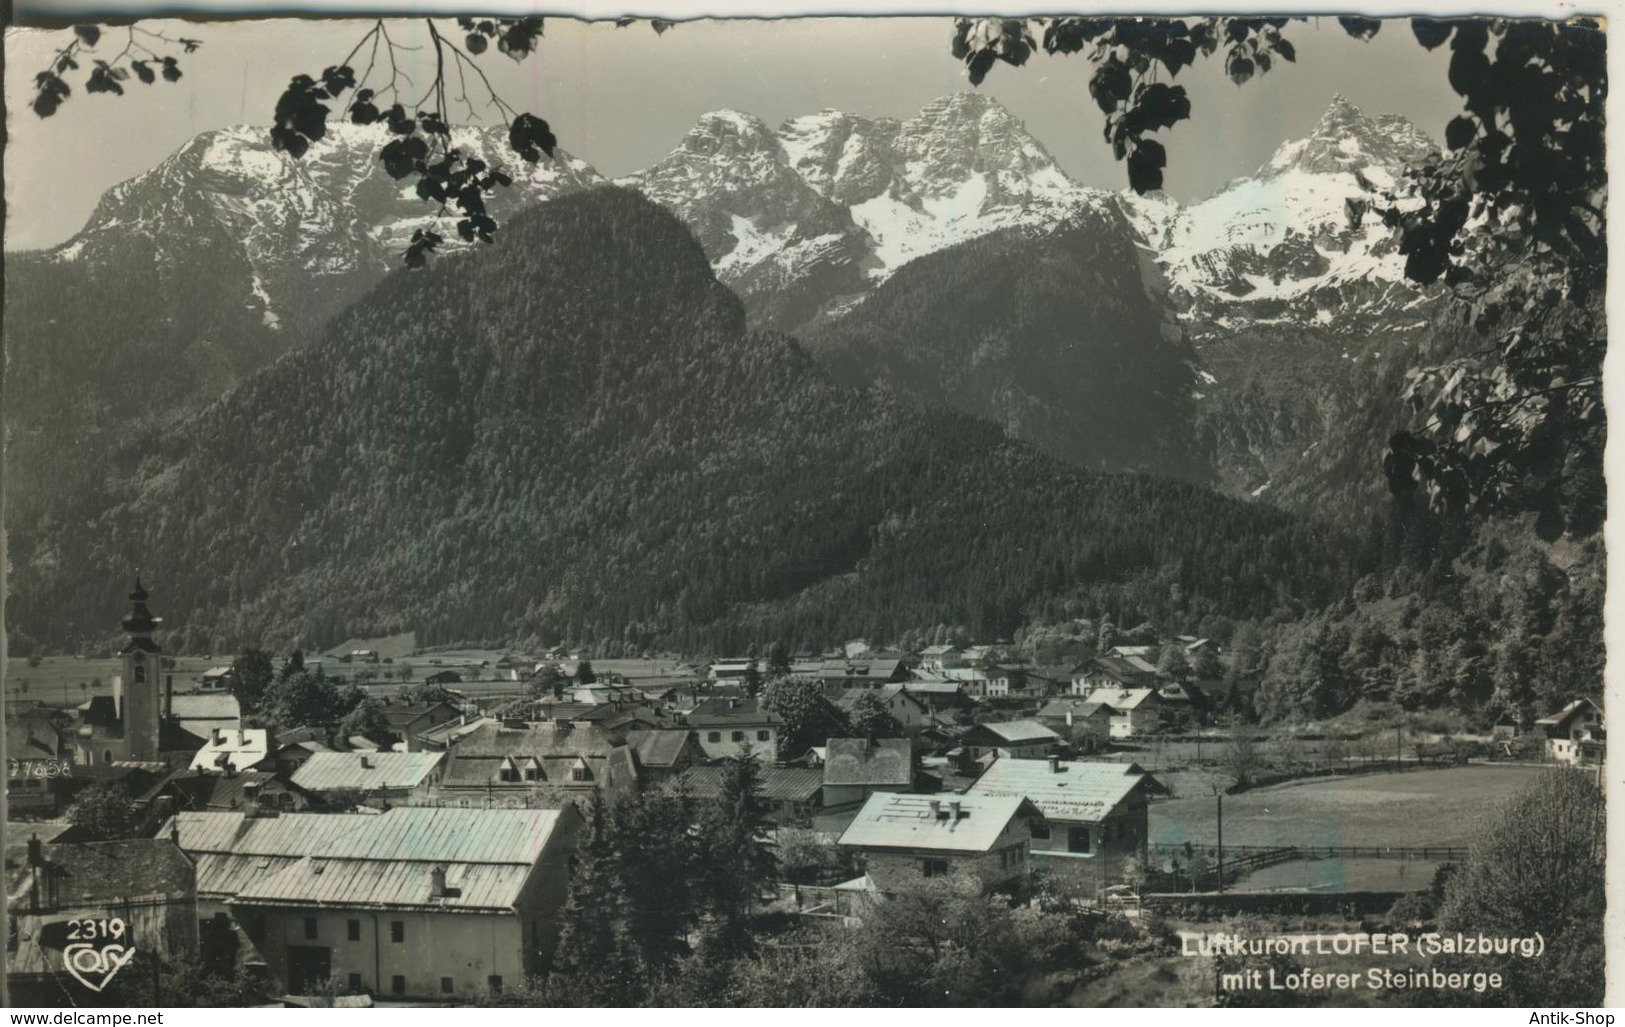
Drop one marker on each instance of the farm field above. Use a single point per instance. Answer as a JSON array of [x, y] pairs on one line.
[[1421, 807]]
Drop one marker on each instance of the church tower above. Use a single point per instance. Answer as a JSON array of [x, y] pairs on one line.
[[141, 708]]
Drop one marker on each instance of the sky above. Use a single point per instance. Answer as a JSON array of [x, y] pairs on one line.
[[622, 98]]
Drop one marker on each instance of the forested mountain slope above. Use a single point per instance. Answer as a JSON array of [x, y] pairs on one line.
[[572, 434]]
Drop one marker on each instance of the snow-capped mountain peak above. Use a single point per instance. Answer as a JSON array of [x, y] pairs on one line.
[[1278, 247], [1345, 139]]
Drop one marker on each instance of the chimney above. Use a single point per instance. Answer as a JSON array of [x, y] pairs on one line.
[[936, 809], [36, 851], [1055, 764], [366, 762], [437, 883], [242, 737], [219, 736], [954, 812]]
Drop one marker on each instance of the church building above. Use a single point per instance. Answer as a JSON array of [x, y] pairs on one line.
[[135, 723]]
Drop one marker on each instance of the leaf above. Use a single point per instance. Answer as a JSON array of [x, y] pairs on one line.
[[90, 35], [1241, 70], [171, 73], [1469, 72], [1145, 164], [1460, 132], [1430, 33], [475, 42], [1287, 51], [530, 137], [1110, 84], [980, 64], [1360, 28]]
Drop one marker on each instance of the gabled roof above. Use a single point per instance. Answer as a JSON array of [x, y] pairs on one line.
[[550, 739], [779, 784], [368, 860], [436, 834], [862, 761], [241, 748], [403, 715], [1560, 719], [1125, 699], [1128, 671], [938, 650], [1080, 791], [365, 771], [658, 748], [105, 872], [723, 711], [891, 820], [1081, 709], [1016, 732]]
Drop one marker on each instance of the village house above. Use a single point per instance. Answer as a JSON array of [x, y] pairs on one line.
[[1136, 712], [866, 673], [146, 883], [790, 795], [856, 768], [409, 904], [908, 710], [1112, 673], [663, 754], [237, 750], [1576, 734], [722, 725], [937, 658], [1018, 738], [392, 777], [230, 791], [215, 679], [1086, 723], [732, 670], [1092, 809], [1005, 682], [901, 839], [977, 682], [939, 696], [202, 712], [408, 720], [444, 736], [510, 762]]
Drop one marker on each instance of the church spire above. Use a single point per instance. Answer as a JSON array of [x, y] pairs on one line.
[[140, 624]]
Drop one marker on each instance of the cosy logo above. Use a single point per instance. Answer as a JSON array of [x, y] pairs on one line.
[[93, 948]]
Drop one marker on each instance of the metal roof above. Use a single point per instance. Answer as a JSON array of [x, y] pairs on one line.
[[374, 884], [1123, 699], [1019, 731], [899, 821], [448, 835], [862, 761], [1083, 791], [365, 771]]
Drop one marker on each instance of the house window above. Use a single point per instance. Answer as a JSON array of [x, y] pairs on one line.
[[397, 931], [107, 755], [310, 927], [762, 736], [1078, 840], [446, 986], [1040, 830], [353, 930], [494, 982], [578, 774], [713, 736], [739, 736], [397, 984], [355, 984], [530, 773], [933, 868]]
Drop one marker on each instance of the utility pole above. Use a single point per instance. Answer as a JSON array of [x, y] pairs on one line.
[[1218, 798]]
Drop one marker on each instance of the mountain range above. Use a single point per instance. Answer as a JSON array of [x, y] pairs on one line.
[[1254, 340]]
